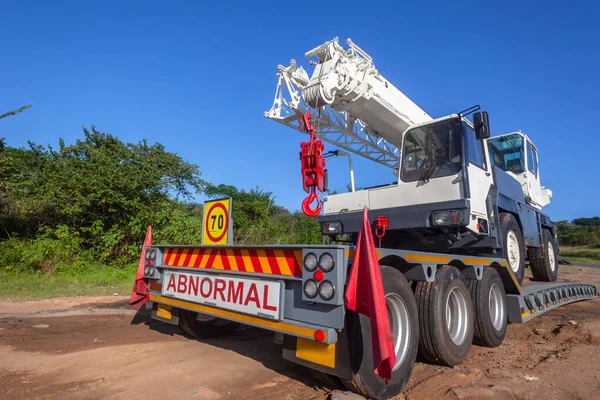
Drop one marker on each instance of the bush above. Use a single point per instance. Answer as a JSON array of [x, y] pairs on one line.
[[42, 255], [92, 200]]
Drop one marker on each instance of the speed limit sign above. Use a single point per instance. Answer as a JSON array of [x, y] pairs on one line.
[[217, 224]]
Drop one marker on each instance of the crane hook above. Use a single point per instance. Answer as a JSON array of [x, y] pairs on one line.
[[308, 201]]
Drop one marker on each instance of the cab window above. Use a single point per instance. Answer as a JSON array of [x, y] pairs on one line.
[[531, 159], [475, 153]]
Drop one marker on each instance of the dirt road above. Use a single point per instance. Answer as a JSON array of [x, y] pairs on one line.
[[96, 348]]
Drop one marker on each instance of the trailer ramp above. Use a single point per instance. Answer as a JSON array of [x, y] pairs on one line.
[[539, 297]]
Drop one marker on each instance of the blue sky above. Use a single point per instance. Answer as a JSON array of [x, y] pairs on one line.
[[197, 77]]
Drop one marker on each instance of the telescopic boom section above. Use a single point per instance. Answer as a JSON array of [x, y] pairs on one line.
[[353, 106]]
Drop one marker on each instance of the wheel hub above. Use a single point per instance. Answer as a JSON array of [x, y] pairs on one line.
[[400, 324], [513, 251], [457, 322], [496, 306], [551, 257]]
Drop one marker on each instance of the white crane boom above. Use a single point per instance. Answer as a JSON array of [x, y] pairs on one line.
[[354, 107]]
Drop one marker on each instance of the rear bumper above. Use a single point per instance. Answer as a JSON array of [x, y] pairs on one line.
[[285, 326]]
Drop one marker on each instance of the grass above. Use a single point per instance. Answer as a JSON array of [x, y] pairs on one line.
[[92, 282], [581, 254]]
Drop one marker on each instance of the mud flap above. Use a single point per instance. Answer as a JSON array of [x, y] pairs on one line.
[[332, 359], [165, 313]]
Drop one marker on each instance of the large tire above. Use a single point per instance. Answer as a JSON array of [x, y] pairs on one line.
[[203, 330], [446, 317], [403, 319], [545, 268], [513, 244], [489, 303]]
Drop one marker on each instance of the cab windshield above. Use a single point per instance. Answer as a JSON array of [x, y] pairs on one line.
[[432, 151], [507, 153]]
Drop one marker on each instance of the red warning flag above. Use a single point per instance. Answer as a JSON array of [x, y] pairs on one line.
[[365, 295], [140, 286]]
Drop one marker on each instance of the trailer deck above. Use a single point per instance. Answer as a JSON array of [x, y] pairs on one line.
[[538, 297]]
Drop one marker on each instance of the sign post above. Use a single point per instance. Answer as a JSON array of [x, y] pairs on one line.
[[217, 225]]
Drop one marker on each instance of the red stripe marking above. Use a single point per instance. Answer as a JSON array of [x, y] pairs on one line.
[[239, 260], [273, 262], [211, 258], [225, 260], [255, 261], [199, 258], [290, 256], [179, 252], [186, 261]]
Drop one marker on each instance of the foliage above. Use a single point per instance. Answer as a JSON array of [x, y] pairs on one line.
[[97, 196], [580, 232], [15, 112], [83, 206], [258, 220], [594, 221]]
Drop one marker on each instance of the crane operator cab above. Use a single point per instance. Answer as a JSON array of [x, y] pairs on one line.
[[446, 183], [444, 178], [515, 154]]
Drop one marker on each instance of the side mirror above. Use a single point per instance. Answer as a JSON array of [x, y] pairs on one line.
[[482, 125]]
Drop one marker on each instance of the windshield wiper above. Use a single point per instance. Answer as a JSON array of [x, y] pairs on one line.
[[429, 173], [431, 165]]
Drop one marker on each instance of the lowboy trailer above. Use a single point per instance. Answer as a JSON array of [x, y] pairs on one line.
[[209, 291], [455, 231]]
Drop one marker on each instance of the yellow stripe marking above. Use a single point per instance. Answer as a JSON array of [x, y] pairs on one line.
[[247, 261], [420, 257], [264, 263], [218, 263], [514, 278], [349, 253], [205, 258], [194, 257], [231, 258], [277, 325], [181, 260], [282, 262], [315, 352], [503, 262], [477, 261], [163, 311], [170, 256]]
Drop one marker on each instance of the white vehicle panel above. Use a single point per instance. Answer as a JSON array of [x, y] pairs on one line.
[[414, 193], [351, 201]]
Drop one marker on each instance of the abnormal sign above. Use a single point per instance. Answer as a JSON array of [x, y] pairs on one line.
[[245, 295], [217, 226]]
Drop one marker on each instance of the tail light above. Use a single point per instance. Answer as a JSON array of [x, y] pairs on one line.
[[323, 271]]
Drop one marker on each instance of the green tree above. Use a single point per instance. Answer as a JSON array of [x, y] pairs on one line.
[[15, 112], [594, 221], [258, 220], [100, 189]]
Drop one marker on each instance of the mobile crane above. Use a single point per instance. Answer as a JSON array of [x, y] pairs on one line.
[[454, 233]]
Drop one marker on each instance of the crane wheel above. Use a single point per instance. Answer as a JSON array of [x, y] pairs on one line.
[[446, 317], [404, 321], [489, 304], [545, 268], [513, 244], [212, 327]]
